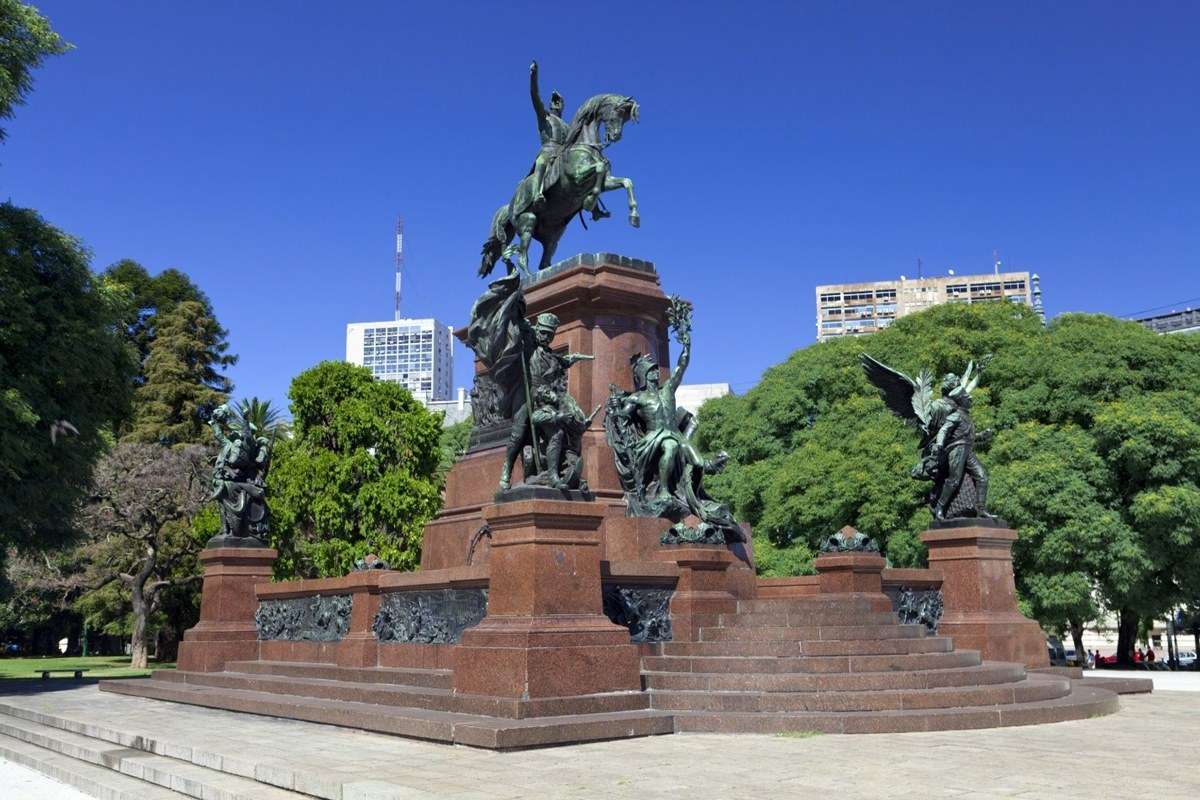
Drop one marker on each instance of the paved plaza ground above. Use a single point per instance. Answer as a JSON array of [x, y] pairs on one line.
[[1146, 750]]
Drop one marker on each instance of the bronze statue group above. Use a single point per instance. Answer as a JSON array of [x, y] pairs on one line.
[[525, 383]]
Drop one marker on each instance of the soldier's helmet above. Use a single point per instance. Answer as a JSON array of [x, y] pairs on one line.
[[546, 322], [641, 366], [556, 99]]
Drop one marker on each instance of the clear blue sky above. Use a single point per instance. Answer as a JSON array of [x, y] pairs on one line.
[[265, 148]]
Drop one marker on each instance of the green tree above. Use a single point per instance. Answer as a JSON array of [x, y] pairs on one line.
[[453, 444], [182, 383], [1052, 486], [153, 296], [262, 416], [1093, 460], [60, 359], [358, 476], [25, 40], [140, 536]]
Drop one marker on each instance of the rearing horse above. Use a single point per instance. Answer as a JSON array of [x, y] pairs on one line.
[[583, 173]]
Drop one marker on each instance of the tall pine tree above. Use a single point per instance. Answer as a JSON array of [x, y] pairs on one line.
[[182, 378]]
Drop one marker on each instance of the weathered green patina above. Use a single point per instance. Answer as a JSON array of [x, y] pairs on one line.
[[529, 383], [948, 435], [660, 468], [239, 480], [567, 178]]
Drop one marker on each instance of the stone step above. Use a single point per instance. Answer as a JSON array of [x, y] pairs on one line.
[[681, 661], [823, 633], [852, 647], [1081, 703], [802, 681], [805, 619], [87, 778], [408, 697], [404, 676], [442, 726], [769, 700], [148, 774], [815, 604], [901, 662]]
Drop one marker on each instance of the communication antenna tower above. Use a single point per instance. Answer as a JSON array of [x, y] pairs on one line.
[[399, 260]]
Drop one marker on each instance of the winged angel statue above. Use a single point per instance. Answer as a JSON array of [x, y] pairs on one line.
[[948, 435]]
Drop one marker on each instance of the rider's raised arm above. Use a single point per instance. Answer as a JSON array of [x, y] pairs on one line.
[[538, 109]]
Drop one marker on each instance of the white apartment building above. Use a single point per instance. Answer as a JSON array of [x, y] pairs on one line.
[[415, 353], [855, 309]]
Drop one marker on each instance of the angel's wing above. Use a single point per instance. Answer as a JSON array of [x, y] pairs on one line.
[[897, 390], [922, 399]]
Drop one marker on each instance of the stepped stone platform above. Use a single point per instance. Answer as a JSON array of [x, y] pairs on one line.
[[834, 665], [539, 621]]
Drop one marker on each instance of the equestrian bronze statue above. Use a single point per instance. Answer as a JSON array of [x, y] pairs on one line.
[[567, 178]]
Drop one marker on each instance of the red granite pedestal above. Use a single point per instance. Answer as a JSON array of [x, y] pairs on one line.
[[226, 630], [545, 634], [980, 595], [850, 573], [702, 593], [609, 306]]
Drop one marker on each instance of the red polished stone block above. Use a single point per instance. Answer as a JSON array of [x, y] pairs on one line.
[[226, 630], [850, 573], [980, 597]]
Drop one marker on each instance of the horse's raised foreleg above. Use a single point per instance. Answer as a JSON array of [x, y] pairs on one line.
[[613, 182], [591, 201]]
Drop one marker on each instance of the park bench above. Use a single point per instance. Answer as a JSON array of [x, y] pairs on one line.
[[78, 673]]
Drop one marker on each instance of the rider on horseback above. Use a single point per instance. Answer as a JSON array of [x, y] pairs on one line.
[[553, 132]]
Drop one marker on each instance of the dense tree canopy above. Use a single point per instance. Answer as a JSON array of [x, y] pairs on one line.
[[60, 359], [25, 40], [359, 475], [150, 297], [1094, 460], [182, 384]]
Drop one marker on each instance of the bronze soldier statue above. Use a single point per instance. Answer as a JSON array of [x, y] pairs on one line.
[[557, 420]]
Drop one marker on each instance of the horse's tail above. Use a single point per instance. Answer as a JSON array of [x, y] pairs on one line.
[[493, 248]]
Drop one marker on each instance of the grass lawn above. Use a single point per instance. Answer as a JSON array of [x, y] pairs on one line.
[[96, 666]]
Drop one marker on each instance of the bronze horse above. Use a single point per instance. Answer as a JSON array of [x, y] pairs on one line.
[[579, 178]]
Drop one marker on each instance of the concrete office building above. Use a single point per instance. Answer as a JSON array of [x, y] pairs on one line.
[[855, 309], [415, 353], [1186, 321]]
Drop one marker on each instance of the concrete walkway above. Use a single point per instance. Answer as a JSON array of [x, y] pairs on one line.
[[20, 783], [1144, 750], [1164, 681]]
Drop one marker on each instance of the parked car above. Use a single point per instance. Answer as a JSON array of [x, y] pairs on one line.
[[1054, 648], [1187, 659], [1087, 658]]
